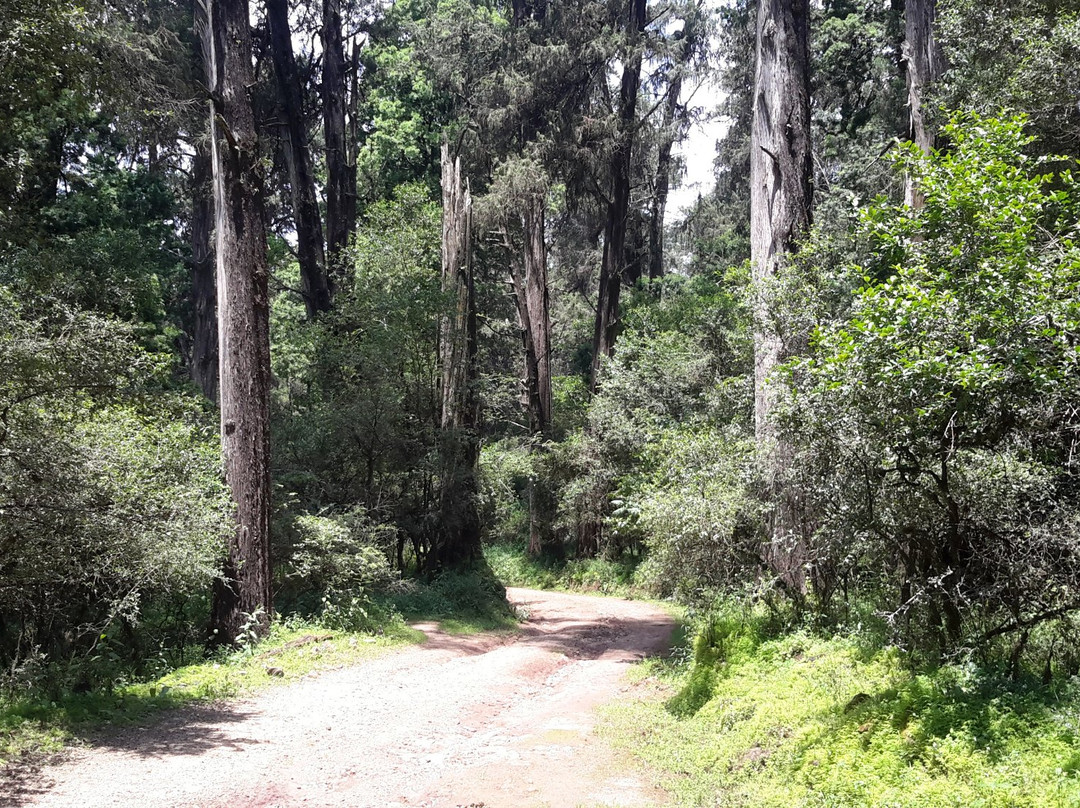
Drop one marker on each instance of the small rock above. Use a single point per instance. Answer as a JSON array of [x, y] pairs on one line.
[[278, 672]]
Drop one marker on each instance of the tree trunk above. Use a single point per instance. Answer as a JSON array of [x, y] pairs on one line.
[[204, 349], [305, 204], [780, 204], [663, 184], [458, 537], [242, 597], [673, 115], [611, 268], [924, 64], [339, 197], [531, 295]]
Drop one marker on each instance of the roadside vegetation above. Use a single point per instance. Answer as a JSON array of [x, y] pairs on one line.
[[754, 714]]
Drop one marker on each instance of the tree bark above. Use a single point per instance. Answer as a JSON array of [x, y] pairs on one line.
[[340, 198], [309, 234], [613, 263], [204, 349], [531, 295], [925, 64], [529, 276], [458, 538], [674, 113], [780, 206], [242, 597], [663, 183]]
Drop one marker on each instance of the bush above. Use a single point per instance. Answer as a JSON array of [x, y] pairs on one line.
[[937, 424], [505, 468], [337, 563], [112, 511], [666, 463]]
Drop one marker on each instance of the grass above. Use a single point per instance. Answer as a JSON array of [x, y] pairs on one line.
[[804, 721], [513, 566], [465, 602]]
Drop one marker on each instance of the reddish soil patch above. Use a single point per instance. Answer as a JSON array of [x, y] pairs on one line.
[[460, 721]]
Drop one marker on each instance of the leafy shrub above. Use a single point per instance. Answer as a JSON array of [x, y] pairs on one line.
[[112, 511], [938, 423], [505, 468], [697, 510], [474, 595], [337, 563], [666, 463], [355, 416]]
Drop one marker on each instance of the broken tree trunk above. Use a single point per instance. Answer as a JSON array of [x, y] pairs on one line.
[[457, 539]]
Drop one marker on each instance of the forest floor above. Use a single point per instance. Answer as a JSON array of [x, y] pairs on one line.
[[492, 720]]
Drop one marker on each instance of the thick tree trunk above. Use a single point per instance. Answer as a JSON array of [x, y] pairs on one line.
[[780, 205], [531, 295], [305, 203], [340, 198], [204, 349], [458, 537], [925, 64], [613, 263], [242, 597]]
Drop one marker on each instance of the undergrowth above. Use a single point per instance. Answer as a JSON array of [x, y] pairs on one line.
[[464, 602], [513, 566], [745, 716]]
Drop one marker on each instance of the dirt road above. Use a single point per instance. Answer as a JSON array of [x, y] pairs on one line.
[[457, 721]]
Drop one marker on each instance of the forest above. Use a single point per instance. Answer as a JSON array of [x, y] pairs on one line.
[[315, 311]]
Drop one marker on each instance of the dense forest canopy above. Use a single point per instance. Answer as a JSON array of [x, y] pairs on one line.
[[297, 298]]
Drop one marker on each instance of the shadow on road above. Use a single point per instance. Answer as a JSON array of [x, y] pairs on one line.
[[619, 637]]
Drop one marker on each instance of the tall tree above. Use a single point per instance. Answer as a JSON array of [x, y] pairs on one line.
[[204, 343], [686, 45], [780, 207], [305, 204], [340, 192], [924, 63], [243, 590], [459, 530], [615, 229], [529, 275]]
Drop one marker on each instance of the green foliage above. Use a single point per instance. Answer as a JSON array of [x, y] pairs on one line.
[[512, 565], [111, 505], [356, 413], [403, 111], [338, 564], [470, 599], [1019, 57], [665, 461], [505, 467], [937, 420], [801, 720]]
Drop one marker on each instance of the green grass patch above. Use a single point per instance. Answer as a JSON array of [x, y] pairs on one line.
[[802, 721], [512, 565], [461, 601]]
